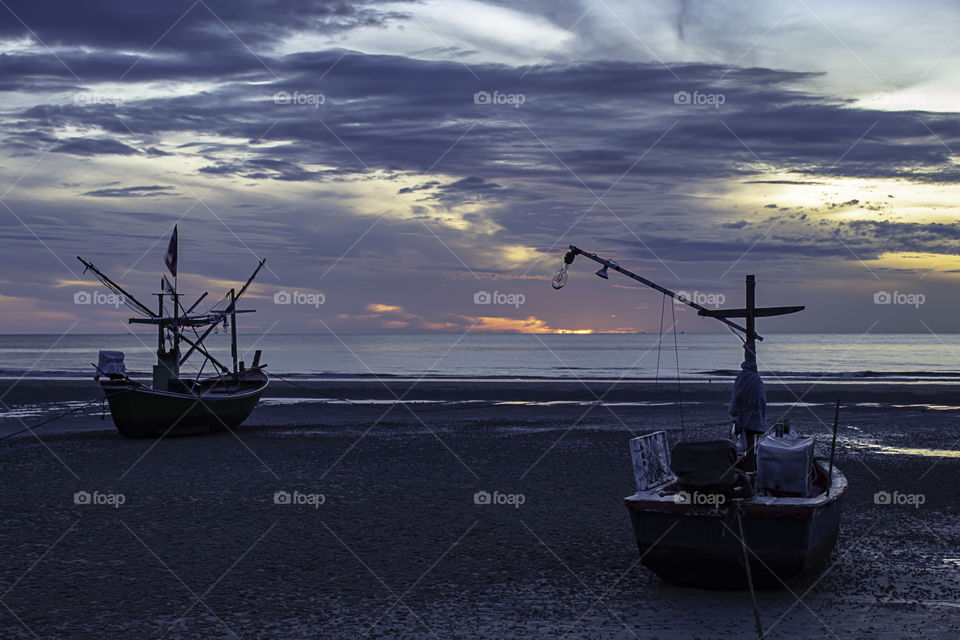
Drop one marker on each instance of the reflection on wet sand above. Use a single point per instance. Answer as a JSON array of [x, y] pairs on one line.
[[909, 451]]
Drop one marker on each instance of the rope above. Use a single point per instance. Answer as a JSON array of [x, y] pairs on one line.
[[65, 413], [305, 388], [656, 379], [746, 562], [733, 331], [676, 351]]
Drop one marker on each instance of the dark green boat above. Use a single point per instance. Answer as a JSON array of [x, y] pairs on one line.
[[210, 404], [173, 405]]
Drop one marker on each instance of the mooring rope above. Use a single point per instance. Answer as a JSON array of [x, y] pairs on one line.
[[656, 378], [746, 562], [676, 352], [64, 414]]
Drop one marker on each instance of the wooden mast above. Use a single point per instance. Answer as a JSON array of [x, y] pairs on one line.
[[751, 299], [233, 331]]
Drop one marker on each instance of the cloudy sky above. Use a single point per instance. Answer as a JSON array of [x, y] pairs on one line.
[[395, 159]]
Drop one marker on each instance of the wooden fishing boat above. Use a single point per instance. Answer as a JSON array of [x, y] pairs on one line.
[[173, 405], [210, 404], [715, 521], [699, 545]]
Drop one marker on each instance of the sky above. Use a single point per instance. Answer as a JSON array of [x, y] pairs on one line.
[[423, 166]]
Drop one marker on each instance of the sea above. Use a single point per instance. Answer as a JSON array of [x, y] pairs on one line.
[[835, 358]]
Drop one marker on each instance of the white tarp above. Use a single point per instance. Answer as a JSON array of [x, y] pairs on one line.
[[111, 363], [785, 464]]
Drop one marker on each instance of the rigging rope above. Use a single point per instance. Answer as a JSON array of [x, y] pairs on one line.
[[123, 298], [733, 331], [676, 351], [656, 379], [64, 414]]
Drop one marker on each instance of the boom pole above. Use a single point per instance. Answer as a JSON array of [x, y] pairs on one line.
[[243, 289], [113, 285], [575, 251]]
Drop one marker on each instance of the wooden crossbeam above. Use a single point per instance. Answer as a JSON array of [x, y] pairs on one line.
[[763, 312]]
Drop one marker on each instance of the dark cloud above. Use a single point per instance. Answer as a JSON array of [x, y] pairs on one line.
[[471, 183], [132, 192], [93, 147], [183, 27], [476, 177]]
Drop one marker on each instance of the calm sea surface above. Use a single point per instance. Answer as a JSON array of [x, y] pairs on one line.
[[607, 356]]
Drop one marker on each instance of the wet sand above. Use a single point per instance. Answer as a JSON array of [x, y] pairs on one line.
[[399, 549]]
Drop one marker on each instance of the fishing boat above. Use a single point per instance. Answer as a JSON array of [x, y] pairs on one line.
[[176, 405], [708, 515]]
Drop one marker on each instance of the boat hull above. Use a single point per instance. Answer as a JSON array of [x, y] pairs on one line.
[[142, 412], [699, 546]]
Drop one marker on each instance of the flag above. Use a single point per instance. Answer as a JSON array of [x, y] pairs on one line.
[[171, 258]]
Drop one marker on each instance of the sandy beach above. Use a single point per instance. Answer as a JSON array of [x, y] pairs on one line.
[[377, 533]]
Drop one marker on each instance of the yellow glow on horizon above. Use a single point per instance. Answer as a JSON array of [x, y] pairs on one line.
[[934, 262], [383, 308], [531, 324]]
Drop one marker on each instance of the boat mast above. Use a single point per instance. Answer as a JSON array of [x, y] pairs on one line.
[[233, 331], [751, 297], [236, 298], [176, 322], [169, 362]]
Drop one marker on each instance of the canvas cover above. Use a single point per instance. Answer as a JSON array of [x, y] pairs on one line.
[[703, 463], [784, 464], [748, 404], [111, 363]]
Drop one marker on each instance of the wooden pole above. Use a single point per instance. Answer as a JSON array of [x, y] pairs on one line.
[[751, 318], [833, 446], [160, 345], [233, 331], [176, 325], [575, 250], [113, 285]]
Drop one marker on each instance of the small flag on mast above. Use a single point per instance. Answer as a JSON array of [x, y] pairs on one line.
[[171, 258]]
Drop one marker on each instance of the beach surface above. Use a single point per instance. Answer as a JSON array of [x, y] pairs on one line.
[[357, 516]]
